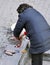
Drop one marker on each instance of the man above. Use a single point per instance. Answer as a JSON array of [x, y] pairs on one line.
[[37, 30]]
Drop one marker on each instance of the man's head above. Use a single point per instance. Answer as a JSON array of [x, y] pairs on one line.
[[22, 7]]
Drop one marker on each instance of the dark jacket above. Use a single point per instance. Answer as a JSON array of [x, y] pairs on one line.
[[37, 29]]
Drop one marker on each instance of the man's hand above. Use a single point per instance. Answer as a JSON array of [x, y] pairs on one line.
[[13, 38], [19, 41]]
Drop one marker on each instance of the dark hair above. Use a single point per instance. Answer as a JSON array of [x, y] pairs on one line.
[[22, 7]]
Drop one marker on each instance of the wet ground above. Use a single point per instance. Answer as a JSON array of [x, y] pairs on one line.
[[7, 44]]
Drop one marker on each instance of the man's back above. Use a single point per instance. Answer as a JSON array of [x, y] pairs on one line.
[[38, 30]]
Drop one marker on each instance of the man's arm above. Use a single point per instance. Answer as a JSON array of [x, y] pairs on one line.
[[18, 28]]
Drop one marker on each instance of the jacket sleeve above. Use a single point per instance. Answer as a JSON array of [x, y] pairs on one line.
[[19, 26]]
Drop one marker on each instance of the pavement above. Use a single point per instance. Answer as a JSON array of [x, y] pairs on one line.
[[46, 62]]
